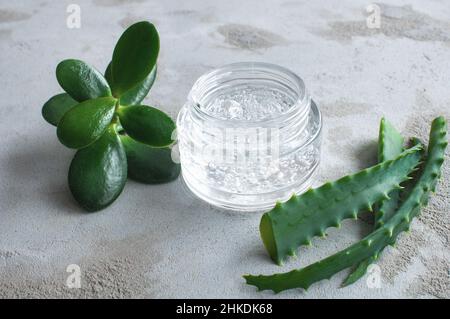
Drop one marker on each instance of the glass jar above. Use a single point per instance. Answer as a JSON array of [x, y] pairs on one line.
[[249, 135]]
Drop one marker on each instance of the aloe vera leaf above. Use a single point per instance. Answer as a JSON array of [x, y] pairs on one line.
[[389, 208], [374, 243], [294, 223], [390, 141], [390, 145]]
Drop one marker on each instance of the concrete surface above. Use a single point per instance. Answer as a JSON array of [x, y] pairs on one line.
[[159, 241]]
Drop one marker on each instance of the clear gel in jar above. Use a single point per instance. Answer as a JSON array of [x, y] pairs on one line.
[[249, 135]]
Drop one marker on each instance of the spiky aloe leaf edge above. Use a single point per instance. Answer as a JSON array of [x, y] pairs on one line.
[[374, 243]]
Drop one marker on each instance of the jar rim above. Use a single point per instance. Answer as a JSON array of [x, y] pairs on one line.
[[301, 102]]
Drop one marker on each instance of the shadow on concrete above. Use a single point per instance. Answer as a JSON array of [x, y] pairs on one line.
[[366, 154], [40, 170]]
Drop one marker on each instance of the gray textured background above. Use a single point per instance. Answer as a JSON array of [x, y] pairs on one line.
[[159, 241]]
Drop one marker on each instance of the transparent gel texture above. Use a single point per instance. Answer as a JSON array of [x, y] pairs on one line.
[[249, 103], [246, 182]]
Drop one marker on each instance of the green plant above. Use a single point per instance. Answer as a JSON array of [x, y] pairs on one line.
[[102, 117], [294, 223], [390, 145], [415, 196]]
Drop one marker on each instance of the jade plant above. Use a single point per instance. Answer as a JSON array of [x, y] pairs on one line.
[[101, 116], [293, 223]]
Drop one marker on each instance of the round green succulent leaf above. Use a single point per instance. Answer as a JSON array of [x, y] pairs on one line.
[[108, 74], [55, 108], [137, 94], [81, 81], [134, 56], [98, 173], [147, 125], [86, 122], [148, 164]]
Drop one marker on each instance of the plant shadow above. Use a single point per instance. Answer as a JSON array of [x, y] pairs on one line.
[[40, 170], [366, 154]]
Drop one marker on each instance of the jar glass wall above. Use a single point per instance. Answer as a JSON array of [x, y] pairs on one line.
[[249, 135]]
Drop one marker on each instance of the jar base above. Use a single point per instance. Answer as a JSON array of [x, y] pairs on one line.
[[248, 202]]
